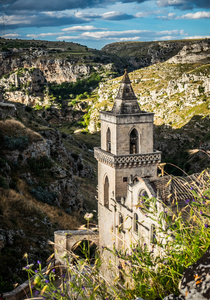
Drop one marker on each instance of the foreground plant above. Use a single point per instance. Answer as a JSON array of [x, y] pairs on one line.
[[182, 236]]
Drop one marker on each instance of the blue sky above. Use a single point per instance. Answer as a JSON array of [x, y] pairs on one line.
[[96, 23]]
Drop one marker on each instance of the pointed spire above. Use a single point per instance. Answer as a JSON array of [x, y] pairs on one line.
[[126, 91], [125, 101]]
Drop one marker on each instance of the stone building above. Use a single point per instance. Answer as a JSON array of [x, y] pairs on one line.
[[128, 181], [126, 161]]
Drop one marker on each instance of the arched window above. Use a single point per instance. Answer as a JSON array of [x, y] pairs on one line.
[[106, 192], [108, 140], [134, 141], [135, 223], [143, 199]]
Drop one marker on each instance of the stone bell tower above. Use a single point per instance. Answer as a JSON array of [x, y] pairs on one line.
[[126, 151]]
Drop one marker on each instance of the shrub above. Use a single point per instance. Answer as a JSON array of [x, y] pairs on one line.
[[75, 156], [201, 89], [80, 167], [38, 164], [140, 272], [3, 183], [28, 108], [2, 163], [43, 195], [38, 107], [19, 142]]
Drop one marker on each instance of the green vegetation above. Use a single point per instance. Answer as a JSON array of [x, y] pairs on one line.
[[39, 164], [3, 183], [17, 142], [43, 195], [79, 90], [171, 91], [140, 272]]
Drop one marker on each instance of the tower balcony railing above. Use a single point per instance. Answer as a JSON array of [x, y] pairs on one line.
[[130, 160]]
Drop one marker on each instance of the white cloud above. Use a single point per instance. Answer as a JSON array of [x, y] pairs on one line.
[[68, 37], [197, 15], [169, 16], [141, 14], [169, 2], [35, 36], [135, 38], [197, 37], [169, 32], [192, 16], [80, 28], [184, 4], [130, 34], [167, 38], [106, 34], [110, 14], [86, 16], [14, 20], [11, 35], [56, 14]]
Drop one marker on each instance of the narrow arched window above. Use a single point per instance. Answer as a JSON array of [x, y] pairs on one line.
[[134, 141], [106, 192], [135, 223], [108, 140], [143, 199]]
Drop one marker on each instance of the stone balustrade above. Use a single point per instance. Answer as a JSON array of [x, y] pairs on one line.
[[125, 161]]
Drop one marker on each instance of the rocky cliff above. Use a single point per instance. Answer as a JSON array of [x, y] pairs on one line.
[[27, 81], [43, 175], [45, 172], [144, 54]]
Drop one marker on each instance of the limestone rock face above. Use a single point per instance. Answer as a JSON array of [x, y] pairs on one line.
[[63, 188], [173, 297], [3, 238], [195, 283], [192, 53], [174, 92], [142, 55]]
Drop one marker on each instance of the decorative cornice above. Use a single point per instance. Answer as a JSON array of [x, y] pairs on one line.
[[127, 161]]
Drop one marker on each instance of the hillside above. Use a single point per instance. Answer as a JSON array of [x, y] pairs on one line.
[[144, 54], [44, 175], [52, 93], [174, 92], [179, 95]]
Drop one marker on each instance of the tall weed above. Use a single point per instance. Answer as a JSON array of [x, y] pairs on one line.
[[181, 237]]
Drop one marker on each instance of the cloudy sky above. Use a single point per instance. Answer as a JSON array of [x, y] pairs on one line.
[[96, 23]]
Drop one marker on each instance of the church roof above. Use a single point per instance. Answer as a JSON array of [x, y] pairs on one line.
[[126, 101], [170, 188]]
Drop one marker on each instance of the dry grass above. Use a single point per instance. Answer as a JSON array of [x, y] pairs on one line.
[[13, 127], [26, 205]]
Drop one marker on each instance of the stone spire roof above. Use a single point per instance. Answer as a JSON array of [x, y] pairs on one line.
[[126, 101]]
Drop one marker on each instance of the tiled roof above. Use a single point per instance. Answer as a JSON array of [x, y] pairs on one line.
[[170, 188]]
